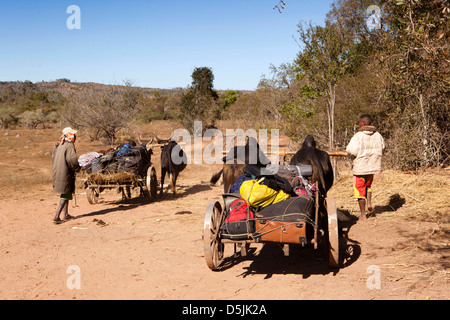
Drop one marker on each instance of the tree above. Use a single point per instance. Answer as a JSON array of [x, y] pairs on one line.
[[277, 90], [32, 119], [355, 15], [9, 116], [227, 98], [417, 54], [325, 58], [106, 111], [203, 79], [246, 111], [199, 103]]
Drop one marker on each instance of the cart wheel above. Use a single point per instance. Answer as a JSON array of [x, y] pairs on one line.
[[333, 233], [152, 184], [92, 195], [213, 246]]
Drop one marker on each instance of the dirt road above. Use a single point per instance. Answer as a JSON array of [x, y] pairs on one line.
[[154, 251], [133, 249]]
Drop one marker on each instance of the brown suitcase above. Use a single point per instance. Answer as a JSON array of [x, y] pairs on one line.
[[281, 231], [285, 221]]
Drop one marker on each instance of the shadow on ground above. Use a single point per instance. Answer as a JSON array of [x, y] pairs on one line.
[[305, 261], [395, 202]]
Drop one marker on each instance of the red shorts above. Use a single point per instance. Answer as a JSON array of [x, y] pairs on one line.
[[361, 185]]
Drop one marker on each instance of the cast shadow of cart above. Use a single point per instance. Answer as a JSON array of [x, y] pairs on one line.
[[304, 261], [124, 198], [117, 205], [183, 191], [101, 212], [271, 260]]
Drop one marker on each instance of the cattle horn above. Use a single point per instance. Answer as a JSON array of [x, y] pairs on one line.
[[157, 138], [149, 144], [163, 141]]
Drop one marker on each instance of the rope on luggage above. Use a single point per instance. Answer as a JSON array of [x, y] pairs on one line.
[[251, 235], [256, 234]]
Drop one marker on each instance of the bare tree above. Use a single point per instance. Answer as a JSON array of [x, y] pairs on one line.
[[277, 90], [325, 58], [106, 111]]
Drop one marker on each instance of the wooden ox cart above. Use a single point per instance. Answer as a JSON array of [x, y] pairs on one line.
[[124, 182], [112, 175], [321, 228], [145, 179], [317, 225]]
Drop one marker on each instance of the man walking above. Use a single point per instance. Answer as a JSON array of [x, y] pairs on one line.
[[64, 166], [367, 146]]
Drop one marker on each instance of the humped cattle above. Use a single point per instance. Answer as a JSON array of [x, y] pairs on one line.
[[235, 161], [173, 161], [320, 162]]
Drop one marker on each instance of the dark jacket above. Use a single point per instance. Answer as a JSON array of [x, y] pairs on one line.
[[64, 166]]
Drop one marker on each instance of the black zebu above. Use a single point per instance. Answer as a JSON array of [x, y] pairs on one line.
[[320, 162], [173, 161]]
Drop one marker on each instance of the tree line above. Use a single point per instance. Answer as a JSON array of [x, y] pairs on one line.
[[103, 111], [388, 58]]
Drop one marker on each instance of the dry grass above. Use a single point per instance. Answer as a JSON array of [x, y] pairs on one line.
[[23, 177], [399, 193], [113, 178], [26, 160], [421, 199]]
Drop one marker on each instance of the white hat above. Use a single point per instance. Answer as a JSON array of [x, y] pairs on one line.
[[69, 130]]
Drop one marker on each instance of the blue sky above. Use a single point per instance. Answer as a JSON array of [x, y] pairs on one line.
[[154, 44]]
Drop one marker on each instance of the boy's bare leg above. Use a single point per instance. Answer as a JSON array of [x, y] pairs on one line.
[[362, 207], [369, 202]]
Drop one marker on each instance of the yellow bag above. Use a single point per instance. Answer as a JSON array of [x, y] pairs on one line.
[[256, 194]]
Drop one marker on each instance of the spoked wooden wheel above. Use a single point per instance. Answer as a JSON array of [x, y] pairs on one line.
[[213, 246], [333, 233], [92, 195], [151, 184]]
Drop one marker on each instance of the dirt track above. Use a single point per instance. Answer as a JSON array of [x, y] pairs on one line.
[[154, 251]]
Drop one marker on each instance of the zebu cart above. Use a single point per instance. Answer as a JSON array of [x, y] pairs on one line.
[[312, 221], [112, 176]]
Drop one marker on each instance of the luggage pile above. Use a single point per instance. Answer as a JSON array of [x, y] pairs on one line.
[[126, 158], [266, 202]]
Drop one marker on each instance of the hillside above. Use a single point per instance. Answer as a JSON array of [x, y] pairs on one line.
[[66, 87]]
